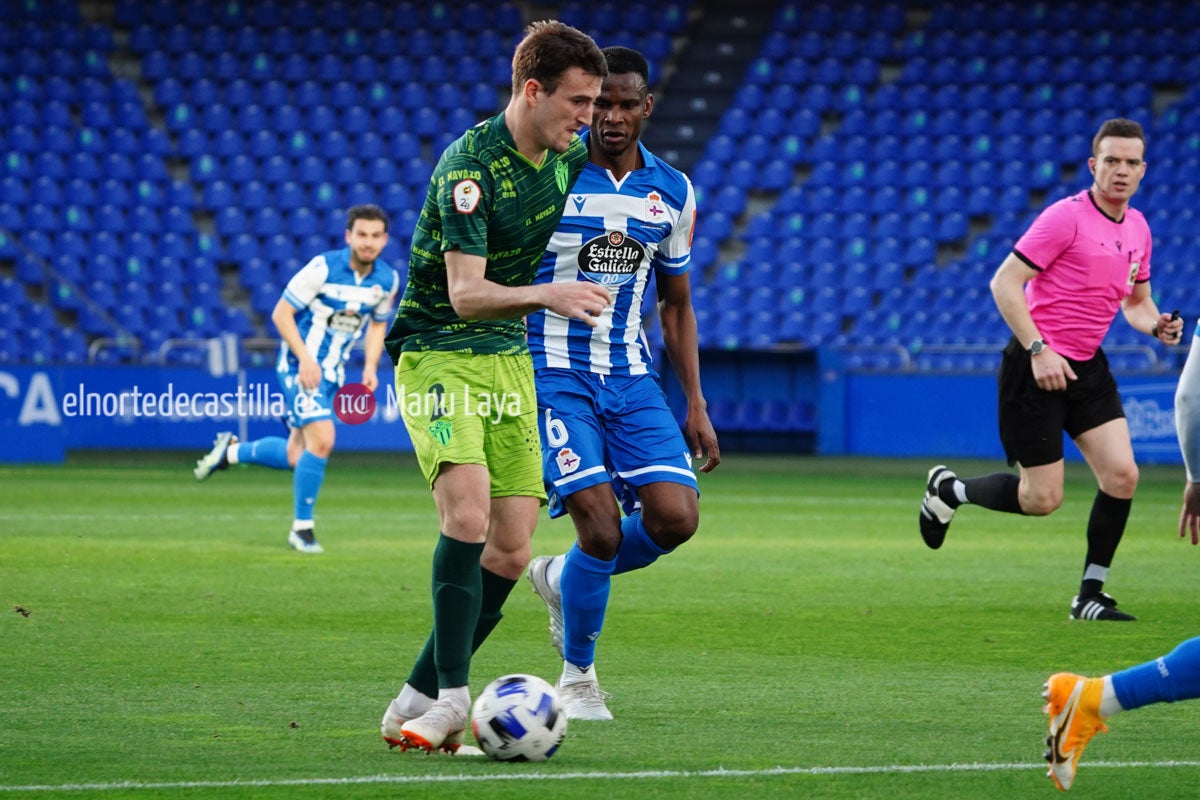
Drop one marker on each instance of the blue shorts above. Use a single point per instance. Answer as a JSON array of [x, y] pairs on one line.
[[305, 407], [607, 429]]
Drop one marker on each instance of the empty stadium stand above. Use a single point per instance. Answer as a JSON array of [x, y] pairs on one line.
[[861, 167]]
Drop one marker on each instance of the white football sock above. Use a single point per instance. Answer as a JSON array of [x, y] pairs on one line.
[[572, 674], [1109, 704]]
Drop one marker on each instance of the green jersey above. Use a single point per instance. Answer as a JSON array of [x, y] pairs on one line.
[[485, 199]]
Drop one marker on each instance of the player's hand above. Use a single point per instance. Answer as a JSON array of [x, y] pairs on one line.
[[1189, 517], [578, 300], [702, 439], [1051, 371], [1170, 328], [370, 379], [310, 374]]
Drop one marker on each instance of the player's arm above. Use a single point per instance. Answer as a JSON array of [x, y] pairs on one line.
[[372, 350], [680, 338], [1143, 315], [474, 297], [1187, 423], [1050, 370], [284, 317]]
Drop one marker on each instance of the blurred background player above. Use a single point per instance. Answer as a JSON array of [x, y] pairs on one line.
[[1078, 706], [496, 195], [604, 419], [1082, 259], [324, 309]]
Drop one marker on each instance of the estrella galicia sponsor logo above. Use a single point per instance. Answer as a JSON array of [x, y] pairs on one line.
[[611, 259]]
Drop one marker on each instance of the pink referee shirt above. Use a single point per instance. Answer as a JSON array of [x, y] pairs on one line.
[[1087, 264]]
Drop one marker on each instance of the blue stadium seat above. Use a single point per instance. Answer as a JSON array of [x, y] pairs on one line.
[[146, 219], [264, 144], [302, 222], [276, 169], [230, 221]]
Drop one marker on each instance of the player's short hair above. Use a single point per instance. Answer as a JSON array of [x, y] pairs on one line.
[[625, 60], [549, 49], [1122, 129], [366, 211]]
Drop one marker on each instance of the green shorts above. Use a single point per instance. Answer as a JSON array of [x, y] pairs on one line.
[[470, 408]]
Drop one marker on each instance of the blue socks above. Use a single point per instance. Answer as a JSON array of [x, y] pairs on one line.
[[637, 549], [584, 585], [1175, 676], [270, 451], [310, 473]]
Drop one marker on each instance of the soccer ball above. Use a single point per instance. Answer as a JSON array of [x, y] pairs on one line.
[[518, 718]]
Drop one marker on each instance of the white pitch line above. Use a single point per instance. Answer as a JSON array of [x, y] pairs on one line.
[[571, 776]]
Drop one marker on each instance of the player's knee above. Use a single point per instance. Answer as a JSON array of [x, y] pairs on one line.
[[320, 448], [599, 537], [507, 562], [1122, 482], [1040, 502], [673, 526], [465, 522]]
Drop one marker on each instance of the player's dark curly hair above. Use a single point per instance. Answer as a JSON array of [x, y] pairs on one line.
[[549, 49], [1122, 129], [625, 61], [368, 211]]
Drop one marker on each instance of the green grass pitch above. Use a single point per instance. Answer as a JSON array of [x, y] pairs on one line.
[[159, 640]]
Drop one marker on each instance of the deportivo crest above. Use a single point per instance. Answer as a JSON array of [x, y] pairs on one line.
[[656, 209], [560, 176], [611, 259], [567, 461], [466, 196]]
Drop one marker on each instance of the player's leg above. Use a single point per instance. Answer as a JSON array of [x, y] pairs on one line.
[[316, 438], [1078, 706], [511, 446], [667, 516], [573, 462], [461, 493], [1167, 679], [448, 443], [1109, 452], [504, 556], [1031, 423], [269, 451], [584, 584], [277, 452], [652, 462], [575, 586], [1096, 421]]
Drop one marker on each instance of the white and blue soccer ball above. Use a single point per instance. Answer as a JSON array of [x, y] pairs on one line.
[[518, 718]]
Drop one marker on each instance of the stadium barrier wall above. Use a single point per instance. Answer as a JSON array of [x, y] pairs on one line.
[[761, 402], [46, 411], [891, 414]]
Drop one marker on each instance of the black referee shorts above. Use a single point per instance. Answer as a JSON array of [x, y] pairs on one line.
[[1032, 420]]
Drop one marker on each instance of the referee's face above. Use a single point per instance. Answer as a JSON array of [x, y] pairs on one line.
[[1118, 167]]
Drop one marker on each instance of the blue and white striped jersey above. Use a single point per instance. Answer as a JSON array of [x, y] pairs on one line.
[[613, 232], [333, 307]]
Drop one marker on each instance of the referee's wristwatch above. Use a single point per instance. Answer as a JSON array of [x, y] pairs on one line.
[[1035, 347]]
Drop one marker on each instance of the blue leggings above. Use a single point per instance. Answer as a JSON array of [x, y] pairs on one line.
[[1175, 676]]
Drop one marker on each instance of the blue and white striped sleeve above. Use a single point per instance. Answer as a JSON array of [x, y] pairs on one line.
[[306, 284]]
